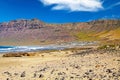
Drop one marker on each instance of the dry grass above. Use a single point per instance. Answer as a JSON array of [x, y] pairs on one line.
[[19, 54]]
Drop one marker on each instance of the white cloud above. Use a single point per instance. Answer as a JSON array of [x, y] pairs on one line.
[[116, 4], [74, 5]]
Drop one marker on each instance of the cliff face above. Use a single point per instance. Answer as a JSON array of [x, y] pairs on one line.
[[35, 32]]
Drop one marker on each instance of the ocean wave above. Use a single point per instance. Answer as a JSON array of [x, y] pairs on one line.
[[28, 48], [18, 48], [46, 47]]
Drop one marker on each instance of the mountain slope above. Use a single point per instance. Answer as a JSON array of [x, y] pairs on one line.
[[36, 32], [112, 34]]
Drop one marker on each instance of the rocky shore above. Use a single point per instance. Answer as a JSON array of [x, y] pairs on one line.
[[74, 64]]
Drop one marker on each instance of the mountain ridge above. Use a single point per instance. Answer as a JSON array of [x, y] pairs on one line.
[[36, 32]]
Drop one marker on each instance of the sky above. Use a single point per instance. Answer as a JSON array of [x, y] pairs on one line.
[[59, 11]]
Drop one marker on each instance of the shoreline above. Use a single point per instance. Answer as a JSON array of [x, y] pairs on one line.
[[34, 48]]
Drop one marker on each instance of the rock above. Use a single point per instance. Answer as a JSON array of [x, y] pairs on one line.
[[23, 74], [18, 54], [77, 75], [87, 73], [52, 71], [61, 73], [97, 66], [90, 70], [71, 77], [12, 55], [9, 74], [56, 79], [35, 75], [15, 74], [114, 74], [77, 67], [108, 71], [41, 76], [67, 69], [84, 76], [43, 69]]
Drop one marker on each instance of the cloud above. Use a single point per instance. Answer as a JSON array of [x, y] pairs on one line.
[[116, 4], [74, 5]]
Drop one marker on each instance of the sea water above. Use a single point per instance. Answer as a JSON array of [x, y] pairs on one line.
[[43, 47], [27, 48]]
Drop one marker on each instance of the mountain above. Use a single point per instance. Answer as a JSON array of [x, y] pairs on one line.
[[36, 32]]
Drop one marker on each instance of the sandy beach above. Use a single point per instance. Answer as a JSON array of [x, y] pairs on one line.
[[63, 65], [59, 39]]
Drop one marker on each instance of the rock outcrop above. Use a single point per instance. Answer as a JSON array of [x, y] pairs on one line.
[[19, 54]]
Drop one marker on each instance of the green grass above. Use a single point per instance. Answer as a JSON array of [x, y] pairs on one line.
[[86, 36]]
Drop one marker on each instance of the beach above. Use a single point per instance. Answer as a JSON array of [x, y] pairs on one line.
[[71, 64], [60, 40]]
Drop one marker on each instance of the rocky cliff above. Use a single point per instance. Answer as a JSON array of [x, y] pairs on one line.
[[36, 32]]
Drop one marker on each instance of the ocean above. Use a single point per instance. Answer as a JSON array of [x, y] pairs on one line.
[[4, 49]]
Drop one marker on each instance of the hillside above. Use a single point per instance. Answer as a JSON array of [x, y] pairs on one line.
[[36, 32]]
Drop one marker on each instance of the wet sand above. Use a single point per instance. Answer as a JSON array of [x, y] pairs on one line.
[[63, 65]]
